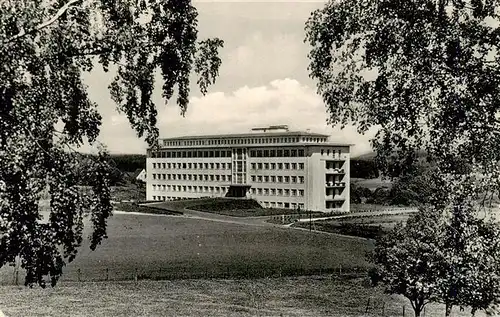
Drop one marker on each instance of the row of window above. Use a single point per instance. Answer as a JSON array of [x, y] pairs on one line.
[[206, 166], [189, 154], [228, 141], [279, 166], [332, 152], [218, 166], [277, 192], [333, 204], [278, 153], [334, 165], [273, 204], [193, 177], [227, 153], [277, 179], [190, 188]]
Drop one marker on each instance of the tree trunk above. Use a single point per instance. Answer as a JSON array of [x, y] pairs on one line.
[[417, 309], [448, 309]]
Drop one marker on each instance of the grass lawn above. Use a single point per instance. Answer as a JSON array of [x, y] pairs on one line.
[[366, 226], [152, 209], [230, 207], [177, 247], [302, 296], [128, 191], [372, 183]]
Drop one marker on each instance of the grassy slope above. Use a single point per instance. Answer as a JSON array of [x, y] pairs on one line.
[[305, 296], [239, 208], [367, 226], [187, 247]]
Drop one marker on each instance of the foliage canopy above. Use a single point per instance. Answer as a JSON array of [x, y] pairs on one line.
[[45, 111]]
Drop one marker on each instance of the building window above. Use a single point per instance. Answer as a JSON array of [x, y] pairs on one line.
[[286, 179], [259, 179], [301, 179], [293, 192], [280, 179], [253, 178], [266, 179], [273, 179], [301, 192], [301, 166], [273, 192], [294, 179], [280, 166], [280, 192], [294, 166]]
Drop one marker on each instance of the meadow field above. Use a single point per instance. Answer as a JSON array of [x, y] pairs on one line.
[[165, 247], [312, 296]]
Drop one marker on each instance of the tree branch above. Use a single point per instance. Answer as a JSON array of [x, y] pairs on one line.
[[45, 24]]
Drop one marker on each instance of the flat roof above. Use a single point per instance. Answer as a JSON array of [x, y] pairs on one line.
[[246, 135]]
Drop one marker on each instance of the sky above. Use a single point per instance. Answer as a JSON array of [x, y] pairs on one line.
[[263, 80]]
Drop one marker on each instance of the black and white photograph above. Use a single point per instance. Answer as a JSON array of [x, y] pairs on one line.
[[288, 158]]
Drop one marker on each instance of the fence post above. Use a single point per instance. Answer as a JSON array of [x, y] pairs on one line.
[[367, 305], [107, 274], [403, 311], [383, 309], [135, 275], [78, 274], [16, 277]]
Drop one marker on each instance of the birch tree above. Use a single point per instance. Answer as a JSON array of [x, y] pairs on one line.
[[46, 113]]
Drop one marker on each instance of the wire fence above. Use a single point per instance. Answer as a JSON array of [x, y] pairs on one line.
[[16, 277]]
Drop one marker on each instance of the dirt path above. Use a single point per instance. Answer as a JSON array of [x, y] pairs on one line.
[[192, 214]]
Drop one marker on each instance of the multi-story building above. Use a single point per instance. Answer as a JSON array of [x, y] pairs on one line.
[[277, 167]]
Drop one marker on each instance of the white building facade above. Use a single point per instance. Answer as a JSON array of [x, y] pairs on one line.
[[277, 167]]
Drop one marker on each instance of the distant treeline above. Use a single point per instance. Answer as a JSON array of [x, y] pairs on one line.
[[363, 168], [121, 167], [129, 162]]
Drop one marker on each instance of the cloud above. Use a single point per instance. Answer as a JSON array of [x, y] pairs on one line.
[[283, 101], [261, 57]]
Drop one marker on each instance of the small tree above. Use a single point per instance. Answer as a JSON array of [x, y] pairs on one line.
[[407, 259], [469, 274]]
